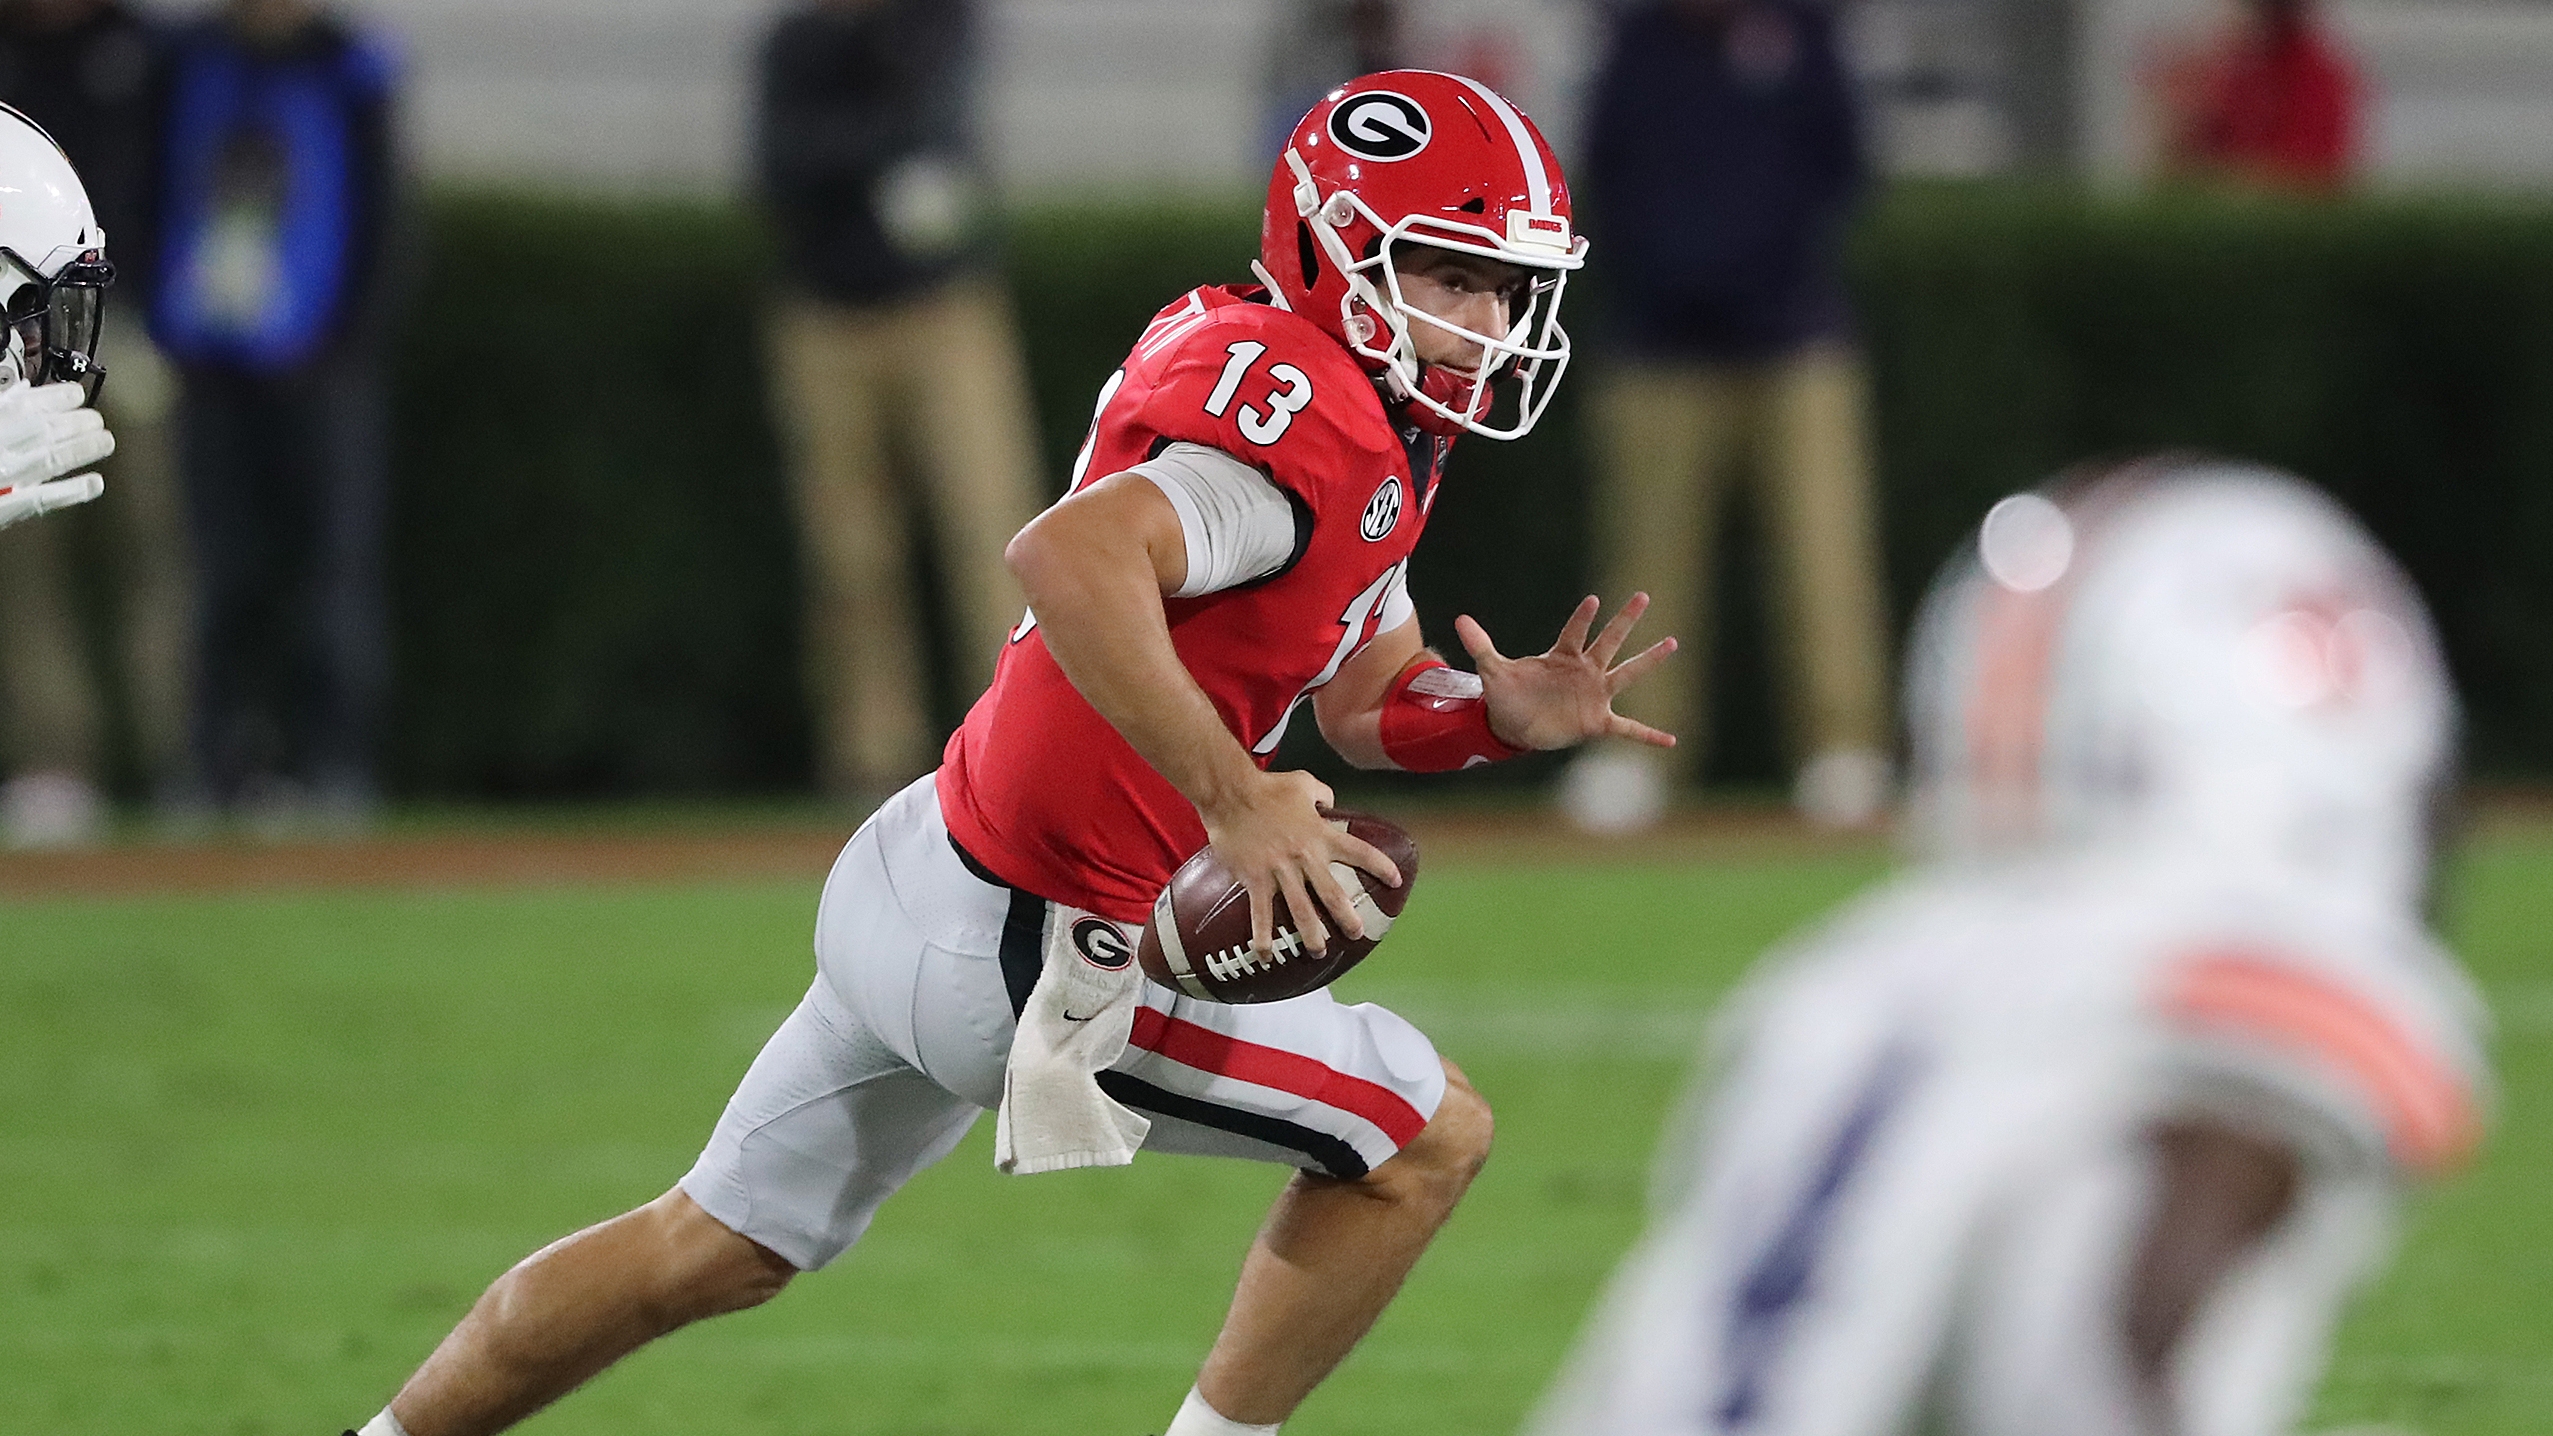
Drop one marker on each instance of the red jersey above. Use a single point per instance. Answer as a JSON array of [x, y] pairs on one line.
[[1037, 786]]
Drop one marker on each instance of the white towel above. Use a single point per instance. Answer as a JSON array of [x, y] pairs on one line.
[[1076, 1024]]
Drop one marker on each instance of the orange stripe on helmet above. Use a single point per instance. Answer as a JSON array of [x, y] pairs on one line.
[[2007, 715], [2017, 637]]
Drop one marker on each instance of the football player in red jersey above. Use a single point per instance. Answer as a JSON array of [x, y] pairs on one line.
[[1236, 541]]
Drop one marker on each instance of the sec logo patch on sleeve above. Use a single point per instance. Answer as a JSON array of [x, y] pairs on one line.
[[1382, 512]]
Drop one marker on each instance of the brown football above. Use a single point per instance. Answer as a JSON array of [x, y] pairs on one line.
[[1198, 941]]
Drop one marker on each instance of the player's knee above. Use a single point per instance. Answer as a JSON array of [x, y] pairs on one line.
[[705, 1269], [1440, 1163]]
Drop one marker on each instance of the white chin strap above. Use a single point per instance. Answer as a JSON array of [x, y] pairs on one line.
[[1368, 314]]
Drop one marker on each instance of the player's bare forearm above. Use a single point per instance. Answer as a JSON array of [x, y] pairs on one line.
[[1094, 568], [1350, 706]]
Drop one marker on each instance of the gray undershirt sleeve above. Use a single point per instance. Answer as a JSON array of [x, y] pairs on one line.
[[1238, 525]]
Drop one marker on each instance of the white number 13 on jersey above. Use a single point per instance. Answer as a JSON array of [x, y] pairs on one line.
[[1260, 426]]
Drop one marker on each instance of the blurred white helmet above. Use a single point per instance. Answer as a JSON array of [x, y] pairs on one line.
[[2193, 660], [53, 269]]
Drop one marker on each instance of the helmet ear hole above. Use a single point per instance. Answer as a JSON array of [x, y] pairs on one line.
[[1308, 253]]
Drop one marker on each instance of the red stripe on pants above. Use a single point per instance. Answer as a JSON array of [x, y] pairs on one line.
[[1210, 1051]]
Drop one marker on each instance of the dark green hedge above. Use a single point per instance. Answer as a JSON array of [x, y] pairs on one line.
[[595, 579], [2399, 353]]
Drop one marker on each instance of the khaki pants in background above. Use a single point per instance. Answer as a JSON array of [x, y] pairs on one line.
[[52, 717], [1668, 440], [937, 383]]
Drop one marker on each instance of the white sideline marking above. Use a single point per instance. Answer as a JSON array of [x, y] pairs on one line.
[[1569, 1027], [1564, 1028]]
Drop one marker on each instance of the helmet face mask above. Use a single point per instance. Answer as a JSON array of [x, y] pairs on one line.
[[1413, 159], [54, 323], [53, 269], [1533, 339]]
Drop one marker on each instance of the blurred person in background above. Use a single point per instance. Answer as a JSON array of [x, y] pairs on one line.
[[1322, 44], [2276, 101], [1724, 159], [893, 349], [278, 223], [2088, 1125], [89, 72]]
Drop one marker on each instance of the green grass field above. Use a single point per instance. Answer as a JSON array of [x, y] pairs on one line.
[[258, 1152]]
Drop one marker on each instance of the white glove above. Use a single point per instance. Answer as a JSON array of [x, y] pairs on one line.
[[44, 434]]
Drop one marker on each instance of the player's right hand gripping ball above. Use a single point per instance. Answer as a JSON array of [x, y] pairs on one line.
[[1198, 941]]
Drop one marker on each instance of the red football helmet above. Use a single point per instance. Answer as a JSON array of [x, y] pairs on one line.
[[1412, 156]]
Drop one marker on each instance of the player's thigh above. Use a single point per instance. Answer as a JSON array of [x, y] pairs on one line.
[[826, 396], [842, 1106], [1312, 1083], [1660, 444], [972, 430], [962, 363], [910, 938], [827, 1124]]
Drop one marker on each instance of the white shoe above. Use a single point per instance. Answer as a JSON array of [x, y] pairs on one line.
[[1843, 788], [50, 810], [1614, 791]]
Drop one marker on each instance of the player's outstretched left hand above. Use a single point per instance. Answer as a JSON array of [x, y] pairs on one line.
[[1564, 697]]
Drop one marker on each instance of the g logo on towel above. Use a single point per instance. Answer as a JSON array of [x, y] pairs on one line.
[[1101, 944]]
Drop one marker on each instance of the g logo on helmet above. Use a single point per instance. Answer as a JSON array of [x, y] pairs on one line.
[[1380, 125]]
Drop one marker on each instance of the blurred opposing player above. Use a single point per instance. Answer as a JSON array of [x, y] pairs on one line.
[[53, 279], [1236, 542], [2088, 1126]]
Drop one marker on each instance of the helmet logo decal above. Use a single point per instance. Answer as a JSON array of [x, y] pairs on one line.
[[1380, 125], [1382, 512]]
